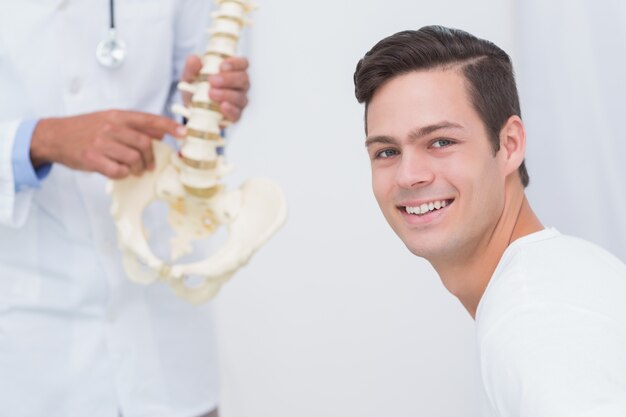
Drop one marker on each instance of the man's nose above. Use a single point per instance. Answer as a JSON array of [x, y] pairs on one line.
[[414, 171]]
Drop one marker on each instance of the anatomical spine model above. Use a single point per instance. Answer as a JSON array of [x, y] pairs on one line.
[[190, 183]]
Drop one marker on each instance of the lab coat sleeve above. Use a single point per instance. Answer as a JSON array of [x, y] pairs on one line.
[[14, 206]]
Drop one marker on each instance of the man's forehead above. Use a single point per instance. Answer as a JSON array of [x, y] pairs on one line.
[[424, 97]]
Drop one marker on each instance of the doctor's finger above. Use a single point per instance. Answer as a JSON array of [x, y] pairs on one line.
[[98, 162], [141, 142], [153, 125], [234, 97], [193, 65], [232, 113], [235, 80], [235, 63], [125, 155]]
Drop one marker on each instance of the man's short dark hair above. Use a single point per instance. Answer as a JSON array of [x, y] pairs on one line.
[[486, 67]]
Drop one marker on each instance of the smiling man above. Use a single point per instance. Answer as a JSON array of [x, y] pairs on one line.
[[446, 144]]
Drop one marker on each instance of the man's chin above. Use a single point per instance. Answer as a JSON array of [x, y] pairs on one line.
[[426, 252]]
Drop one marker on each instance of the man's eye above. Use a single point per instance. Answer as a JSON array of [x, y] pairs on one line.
[[385, 153], [442, 143]]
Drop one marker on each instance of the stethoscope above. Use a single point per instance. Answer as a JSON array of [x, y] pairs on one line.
[[111, 51]]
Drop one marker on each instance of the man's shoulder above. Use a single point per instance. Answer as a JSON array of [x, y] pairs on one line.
[[554, 273], [556, 256], [551, 256]]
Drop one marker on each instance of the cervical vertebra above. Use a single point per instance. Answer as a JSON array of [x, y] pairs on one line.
[[190, 183]]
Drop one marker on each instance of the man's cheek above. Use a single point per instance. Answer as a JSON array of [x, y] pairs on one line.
[[380, 194]]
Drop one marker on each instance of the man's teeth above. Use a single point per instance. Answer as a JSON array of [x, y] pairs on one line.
[[426, 207]]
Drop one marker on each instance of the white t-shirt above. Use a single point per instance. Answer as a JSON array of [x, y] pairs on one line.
[[551, 330]]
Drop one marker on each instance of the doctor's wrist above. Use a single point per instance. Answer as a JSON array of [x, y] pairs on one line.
[[41, 143]]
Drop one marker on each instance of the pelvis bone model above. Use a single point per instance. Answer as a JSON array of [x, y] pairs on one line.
[[190, 183]]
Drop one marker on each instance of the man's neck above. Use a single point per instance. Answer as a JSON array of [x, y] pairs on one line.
[[467, 278]]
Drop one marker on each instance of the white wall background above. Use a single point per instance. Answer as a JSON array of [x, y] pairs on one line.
[[573, 88], [334, 317]]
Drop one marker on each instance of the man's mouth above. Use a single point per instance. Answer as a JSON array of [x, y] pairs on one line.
[[425, 208]]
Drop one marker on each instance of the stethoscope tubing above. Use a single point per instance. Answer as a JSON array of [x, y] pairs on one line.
[[111, 52]]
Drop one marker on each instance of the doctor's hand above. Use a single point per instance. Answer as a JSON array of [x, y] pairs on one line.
[[229, 87], [114, 143]]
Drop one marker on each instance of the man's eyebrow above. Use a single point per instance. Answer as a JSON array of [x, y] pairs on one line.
[[380, 139], [427, 130], [415, 134]]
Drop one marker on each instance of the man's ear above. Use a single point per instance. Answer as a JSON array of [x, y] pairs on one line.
[[512, 144]]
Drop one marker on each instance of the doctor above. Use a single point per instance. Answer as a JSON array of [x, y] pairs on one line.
[[76, 337]]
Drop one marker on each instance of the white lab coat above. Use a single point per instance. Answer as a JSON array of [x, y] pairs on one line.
[[76, 337]]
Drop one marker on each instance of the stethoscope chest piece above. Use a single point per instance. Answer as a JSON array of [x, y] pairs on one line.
[[111, 51]]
